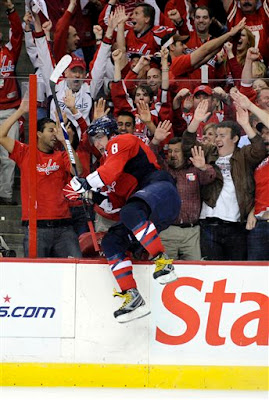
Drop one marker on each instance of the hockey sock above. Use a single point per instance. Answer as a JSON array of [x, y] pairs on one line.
[[147, 235], [122, 269]]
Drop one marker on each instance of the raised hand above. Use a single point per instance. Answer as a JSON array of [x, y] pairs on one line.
[[174, 15], [122, 17], [98, 32], [70, 100], [237, 28], [201, 113], [112, 21], [198, 157], [228, 47], [143, 62], [59, 131], [100, 109], [253, 54], [220, 56], [164, 53], [24, 106], [143, 111], [240, 99], [72, 5], [28, 18], [162, 131], [117, 56], [47, 26], [242, 116], [187, 103], [182, 93], [219, 93]]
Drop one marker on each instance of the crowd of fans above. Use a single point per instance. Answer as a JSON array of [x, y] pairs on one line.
[[192, 88]]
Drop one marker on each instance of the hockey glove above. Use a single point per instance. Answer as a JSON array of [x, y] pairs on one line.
[[80, 185], [70, 194]]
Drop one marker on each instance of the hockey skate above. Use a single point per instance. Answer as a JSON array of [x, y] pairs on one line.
[[164, 271], [133, 306]]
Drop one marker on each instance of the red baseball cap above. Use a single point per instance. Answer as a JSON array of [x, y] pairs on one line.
[[204, 89], [77, 62]]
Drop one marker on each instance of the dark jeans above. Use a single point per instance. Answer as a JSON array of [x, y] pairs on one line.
[[79, 219], [223, 240], [258, 242], [59, 242]]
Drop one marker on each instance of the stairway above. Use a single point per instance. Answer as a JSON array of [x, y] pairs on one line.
[[10, 216], [11, 229], [24, 67]]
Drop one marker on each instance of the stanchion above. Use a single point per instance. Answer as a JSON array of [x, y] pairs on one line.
[[32, 165]]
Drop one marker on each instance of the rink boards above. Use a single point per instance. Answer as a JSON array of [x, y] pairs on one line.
[[207, 330]]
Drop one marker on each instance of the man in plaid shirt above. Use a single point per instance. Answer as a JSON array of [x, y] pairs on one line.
[[182, 239]]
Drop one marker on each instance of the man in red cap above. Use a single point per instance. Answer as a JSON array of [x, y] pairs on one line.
[[200, 93], [75, 74]]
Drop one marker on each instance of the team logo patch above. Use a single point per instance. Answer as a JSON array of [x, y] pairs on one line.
[[190, 177]]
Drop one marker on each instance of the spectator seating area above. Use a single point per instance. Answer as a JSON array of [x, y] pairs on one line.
[[190, 79]]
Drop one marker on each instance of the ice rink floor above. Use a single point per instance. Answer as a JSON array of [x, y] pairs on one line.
[[16, 393]]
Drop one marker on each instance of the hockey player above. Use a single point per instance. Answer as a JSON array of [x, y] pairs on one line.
[[131, 167]]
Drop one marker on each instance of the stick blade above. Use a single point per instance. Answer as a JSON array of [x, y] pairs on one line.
[[60, 68]]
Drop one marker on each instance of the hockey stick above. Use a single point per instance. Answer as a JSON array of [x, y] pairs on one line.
[[58, 71]]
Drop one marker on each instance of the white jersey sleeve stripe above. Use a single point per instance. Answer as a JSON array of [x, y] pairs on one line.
[[232, 13], [95, 181], [266, 7]]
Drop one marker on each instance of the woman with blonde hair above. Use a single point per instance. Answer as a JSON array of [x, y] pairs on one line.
[[247, 40], [209, 133], [235, 62]]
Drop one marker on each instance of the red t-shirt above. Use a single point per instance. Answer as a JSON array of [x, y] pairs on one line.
[[53, 173]]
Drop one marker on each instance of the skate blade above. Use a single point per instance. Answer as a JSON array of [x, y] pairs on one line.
[[168, 278], [139, 312]]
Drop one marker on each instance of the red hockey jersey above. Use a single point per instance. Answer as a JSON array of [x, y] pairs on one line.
[[9, 55]]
